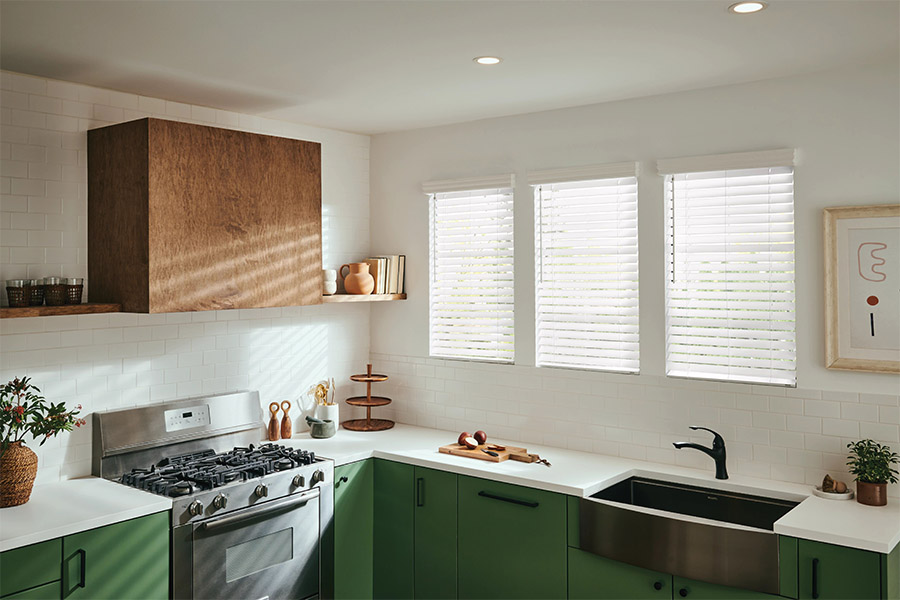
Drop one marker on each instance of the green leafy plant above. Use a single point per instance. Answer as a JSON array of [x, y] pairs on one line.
[[24, 411], [871, 462]]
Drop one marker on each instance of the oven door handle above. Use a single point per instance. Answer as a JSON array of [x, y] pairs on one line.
[[266, 508]]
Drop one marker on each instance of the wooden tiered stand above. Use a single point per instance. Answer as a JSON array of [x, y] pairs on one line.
[[368, 424]]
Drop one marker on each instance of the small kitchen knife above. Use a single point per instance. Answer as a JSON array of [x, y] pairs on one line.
[[494, 454]]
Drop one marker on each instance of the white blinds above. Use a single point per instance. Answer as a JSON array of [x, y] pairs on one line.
[[730, 288], [587, 274], [471, 310]]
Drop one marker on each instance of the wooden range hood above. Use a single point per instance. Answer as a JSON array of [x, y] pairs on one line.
[[186, 217]]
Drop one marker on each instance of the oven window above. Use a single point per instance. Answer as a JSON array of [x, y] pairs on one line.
[[259, 554]]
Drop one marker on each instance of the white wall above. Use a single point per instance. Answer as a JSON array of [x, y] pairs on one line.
[[845, 126], [123, 360]]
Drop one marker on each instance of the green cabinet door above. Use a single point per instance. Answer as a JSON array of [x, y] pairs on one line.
[[594, 577], [512, 541], [827, 571], [394, 530], [30, 566], [436, 549], [699, 590], [353, 530], [124, 560]]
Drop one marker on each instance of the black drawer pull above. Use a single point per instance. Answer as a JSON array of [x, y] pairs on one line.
[[420, 491], [683, 592], [657, 585], [815, 578], [484, 494]]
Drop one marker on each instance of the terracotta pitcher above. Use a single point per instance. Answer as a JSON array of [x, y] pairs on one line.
[[358, 281]]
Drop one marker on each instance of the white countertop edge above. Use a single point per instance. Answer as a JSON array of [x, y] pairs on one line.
[[836, 539]]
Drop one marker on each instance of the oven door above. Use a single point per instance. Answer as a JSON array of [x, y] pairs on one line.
[[269, 551]]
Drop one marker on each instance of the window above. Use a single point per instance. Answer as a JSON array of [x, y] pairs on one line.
[[730, 284], [586, 270], [471, 309]]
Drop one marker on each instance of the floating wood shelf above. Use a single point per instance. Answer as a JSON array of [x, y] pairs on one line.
[[368, 424], [363, 297], [66, 309]]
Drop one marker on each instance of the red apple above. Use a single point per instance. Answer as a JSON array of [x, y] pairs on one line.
[[461, 439], [470, 443], [480, 436]]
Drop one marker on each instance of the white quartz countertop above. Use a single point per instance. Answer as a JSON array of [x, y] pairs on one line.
[[67, 507], [582, 474]]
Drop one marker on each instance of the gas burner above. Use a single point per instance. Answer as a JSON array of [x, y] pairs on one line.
[[185, 474]]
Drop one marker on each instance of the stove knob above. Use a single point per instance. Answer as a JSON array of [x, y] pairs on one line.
[[195, 508], [220, 501], [262, 490], [318, 477], [299, 481]]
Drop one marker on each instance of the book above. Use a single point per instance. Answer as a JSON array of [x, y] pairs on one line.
[[393, 280], [401, 275]]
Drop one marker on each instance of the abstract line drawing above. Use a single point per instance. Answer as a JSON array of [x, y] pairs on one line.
[[873, 260]]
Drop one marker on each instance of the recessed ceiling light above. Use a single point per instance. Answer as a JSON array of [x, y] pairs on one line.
[[487, 60], [744, 8]]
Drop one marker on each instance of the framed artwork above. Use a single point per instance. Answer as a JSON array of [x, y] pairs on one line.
[[862, 288]]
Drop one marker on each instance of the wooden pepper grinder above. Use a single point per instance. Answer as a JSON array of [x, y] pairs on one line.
[[274, 430], [286, 420]]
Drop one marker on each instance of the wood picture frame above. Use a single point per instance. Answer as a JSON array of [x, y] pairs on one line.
[[862, 288]]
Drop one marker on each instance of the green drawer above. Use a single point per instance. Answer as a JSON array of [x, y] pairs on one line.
[[48, 591], [30, 566]]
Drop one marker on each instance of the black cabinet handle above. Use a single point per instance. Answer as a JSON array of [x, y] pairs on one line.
[[815, 578], [343, 479], [484, 494], [82, 557], [657, 585], [683, 592], [420, 491]]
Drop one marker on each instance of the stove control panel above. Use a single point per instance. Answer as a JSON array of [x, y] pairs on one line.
[[187, 418]]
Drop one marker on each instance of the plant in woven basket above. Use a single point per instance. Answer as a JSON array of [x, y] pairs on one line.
[[871, 462], [23, 411]]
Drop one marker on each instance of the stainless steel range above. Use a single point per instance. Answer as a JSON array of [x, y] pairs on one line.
[[249, 520]]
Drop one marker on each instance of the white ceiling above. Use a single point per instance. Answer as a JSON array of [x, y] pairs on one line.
[[377, 66]]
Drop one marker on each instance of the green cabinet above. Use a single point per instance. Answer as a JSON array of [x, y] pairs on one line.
[[512, 541], [353, 530], [595, 577], [125, 560], [34, 567], [827, 571], [415, 532], [394, 530], [699, 590], [435, 534]]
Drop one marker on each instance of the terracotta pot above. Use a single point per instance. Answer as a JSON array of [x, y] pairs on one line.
[[358, 281], [18, 467], [873, 494]]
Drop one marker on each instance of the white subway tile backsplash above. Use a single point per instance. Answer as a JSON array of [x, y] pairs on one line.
[[109, 361]]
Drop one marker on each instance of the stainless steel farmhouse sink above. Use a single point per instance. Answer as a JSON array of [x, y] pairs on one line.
[[732, 542]]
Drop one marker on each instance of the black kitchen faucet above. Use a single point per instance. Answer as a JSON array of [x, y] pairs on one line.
[[717, 452]]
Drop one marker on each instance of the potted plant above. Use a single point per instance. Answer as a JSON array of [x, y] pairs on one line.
[[24, 412], [871, 463]]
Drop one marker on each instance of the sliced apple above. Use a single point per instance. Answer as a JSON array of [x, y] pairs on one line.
[[470, 443]]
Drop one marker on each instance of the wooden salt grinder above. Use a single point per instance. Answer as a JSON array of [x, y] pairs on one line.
[[273, 422], [286, 421]]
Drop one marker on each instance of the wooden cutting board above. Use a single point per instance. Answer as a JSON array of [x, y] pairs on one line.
[[519, 454]]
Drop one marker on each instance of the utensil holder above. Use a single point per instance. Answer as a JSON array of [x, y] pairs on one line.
[[328, 412]]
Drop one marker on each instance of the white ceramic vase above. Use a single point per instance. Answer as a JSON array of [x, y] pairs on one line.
[[329, 281]]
